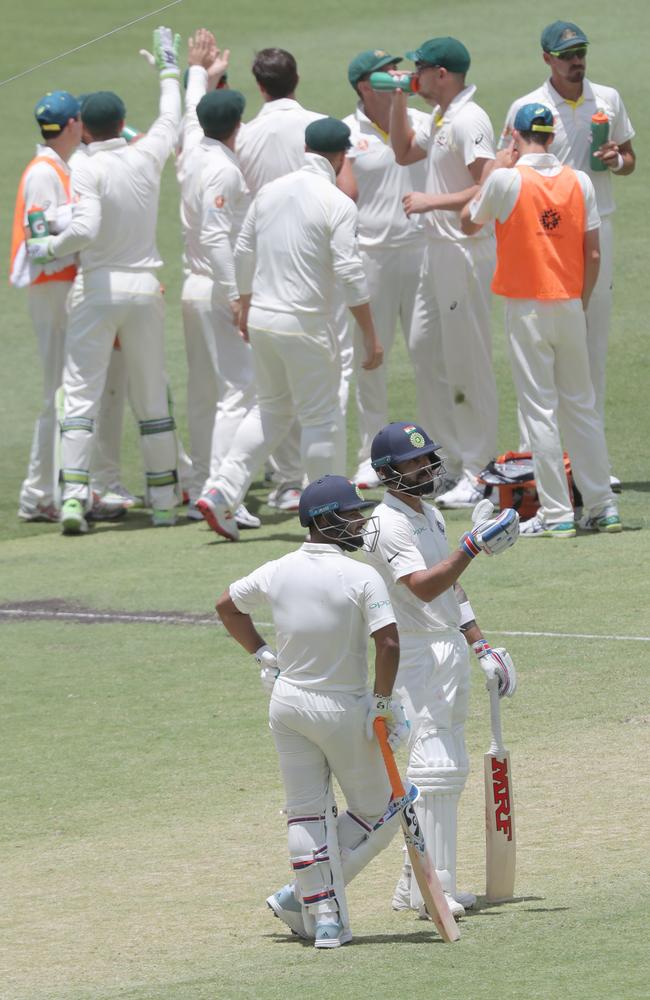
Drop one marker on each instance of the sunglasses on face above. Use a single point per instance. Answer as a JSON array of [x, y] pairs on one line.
[[425, 65], [578, 53]]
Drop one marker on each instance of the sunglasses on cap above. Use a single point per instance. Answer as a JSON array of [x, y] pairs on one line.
[[579, 52]]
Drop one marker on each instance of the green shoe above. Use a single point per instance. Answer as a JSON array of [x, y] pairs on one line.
[[606, 520], [164, 518], [73, 521]]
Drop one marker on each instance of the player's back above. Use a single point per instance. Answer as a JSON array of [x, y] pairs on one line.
[[273, 143]]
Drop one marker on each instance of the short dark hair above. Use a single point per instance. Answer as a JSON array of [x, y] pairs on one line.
[[276, 71], [538, 138], [97, 134], [222, 135]]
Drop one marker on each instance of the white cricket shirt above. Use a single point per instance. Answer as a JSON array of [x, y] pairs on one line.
[[273, 143], [324, 606], [118, 187], [297, 251], [408, 542], [464, 134], [499, 194], [43, 189], [382, 182], [572, 142]]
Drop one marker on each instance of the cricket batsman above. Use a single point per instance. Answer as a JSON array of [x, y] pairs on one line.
[[321, 713]]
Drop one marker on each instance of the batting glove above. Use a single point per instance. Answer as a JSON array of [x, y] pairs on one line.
[[498, 667], [382, 706], [493, 535], [166, 46], [268, 660], [38, 250]]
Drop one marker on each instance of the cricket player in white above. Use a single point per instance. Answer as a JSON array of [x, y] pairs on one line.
[[297, 244], [451, 340], [391, 244], [214, 200], [118, 291], [272, 145], [324, 607], [435, 630], [546, 280], [573, 99]]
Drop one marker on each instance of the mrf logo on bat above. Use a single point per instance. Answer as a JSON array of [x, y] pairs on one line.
[[501, 796]]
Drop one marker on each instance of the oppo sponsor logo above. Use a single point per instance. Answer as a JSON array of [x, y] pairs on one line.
[[379, 604], [501, 795]]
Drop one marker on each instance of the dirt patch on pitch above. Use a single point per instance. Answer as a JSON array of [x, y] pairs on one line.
[[56, 609]]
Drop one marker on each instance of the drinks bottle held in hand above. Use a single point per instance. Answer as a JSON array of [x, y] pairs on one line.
[[599, 135], [408, 82], [37, 222]]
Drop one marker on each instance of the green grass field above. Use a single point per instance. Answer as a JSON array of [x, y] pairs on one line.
[[140, 793]]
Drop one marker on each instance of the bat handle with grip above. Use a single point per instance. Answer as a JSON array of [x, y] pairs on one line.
[[396, 784], [496, 746]]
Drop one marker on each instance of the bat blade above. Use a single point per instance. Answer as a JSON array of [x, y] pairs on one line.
[[500, 842], [425, 875]]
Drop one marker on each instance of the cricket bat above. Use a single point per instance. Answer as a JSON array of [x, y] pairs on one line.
[[423, 870], [500, 844]]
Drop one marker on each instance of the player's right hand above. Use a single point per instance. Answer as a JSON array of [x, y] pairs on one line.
[[374, 355], [492, 536], [38, 250], [382, 706], [269, 672]]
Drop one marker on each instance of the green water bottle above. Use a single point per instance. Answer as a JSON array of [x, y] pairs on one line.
[[599, 135], [130, 134], [407, 82], [37, 222]]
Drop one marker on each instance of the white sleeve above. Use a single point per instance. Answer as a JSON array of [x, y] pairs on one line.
[[497, 196], [245, 251], [219, 194], [621, 130], [398, 553], [42, 190], [161, 137], [475, 137], [422, 130], [592, 218], [197, 87], [377, 606], [345, 254], [252, 590], [86, 215]]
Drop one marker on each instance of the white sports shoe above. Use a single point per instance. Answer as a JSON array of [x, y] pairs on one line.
[[616, 485], [245, 519], [402, 894], [365, 477], [465, 493], [217, 513], [457, 909], [402, 899], [536, 527], [466, 899], [331, 934], [606, 519], [192, 512], [42, 512], [285, 906], [118, 496], [284, 499]]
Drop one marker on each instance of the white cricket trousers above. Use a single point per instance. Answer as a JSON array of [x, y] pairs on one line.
[[433, 685], [295, 374], [599, 314], [450, 344], [393, 276], [547, 343], [317, 735], [48, 308], [220, 387], [105, 304]]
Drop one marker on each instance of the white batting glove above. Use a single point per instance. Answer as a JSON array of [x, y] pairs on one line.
[[38, 250], [382, 706], [492, 536], [498, 667], [166, 47], [268, 661]]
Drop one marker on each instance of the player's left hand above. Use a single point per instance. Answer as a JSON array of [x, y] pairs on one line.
[[382, 706], [38, 250], [608, 153], [416, 202], [166, 47], [269, 670], [493, 535], [498, 667]]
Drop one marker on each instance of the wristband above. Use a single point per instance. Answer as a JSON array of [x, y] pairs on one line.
[[481, 647], [466, 613], [468, 545], [620, 163]]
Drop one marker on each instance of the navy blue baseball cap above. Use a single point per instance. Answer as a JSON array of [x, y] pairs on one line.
[[534, 118], [398, 442], [330, 493], [54, 111]]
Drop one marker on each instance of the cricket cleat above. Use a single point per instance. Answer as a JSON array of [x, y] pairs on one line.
[[536, 527], [284, 499], [73, 521], [365, 477], [217, 513], [245, 519], [605, 520], [192, 513], [466, 899], [402, 895], [464, 494], [285, 906], [118, 496], [101, 511], [457, 909], [331, 935], [42, 512], [163, 518]]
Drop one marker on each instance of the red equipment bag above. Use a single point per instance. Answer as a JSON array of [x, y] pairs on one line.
[[513, 476]]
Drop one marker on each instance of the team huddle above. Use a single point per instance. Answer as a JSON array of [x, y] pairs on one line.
[[306, 240]]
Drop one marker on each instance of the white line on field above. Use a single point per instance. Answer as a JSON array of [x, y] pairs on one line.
[[46, 614], [92, 41]]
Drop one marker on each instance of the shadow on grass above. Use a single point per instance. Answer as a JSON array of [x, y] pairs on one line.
[[416, 937], [638, 487]]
